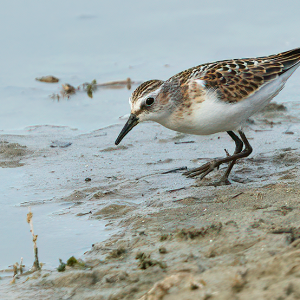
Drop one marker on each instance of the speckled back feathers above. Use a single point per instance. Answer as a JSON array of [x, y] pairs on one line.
[[233, 80], [236, 79]]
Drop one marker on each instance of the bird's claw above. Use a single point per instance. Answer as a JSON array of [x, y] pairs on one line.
[[204, 169]]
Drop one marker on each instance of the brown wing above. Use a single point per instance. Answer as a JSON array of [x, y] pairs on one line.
[[237, 79]]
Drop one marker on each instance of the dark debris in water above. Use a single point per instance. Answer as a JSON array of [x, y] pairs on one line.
[[60, 144], [48, 79], [68, 89], [91, 87]]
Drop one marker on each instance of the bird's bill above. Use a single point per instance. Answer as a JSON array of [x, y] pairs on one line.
[[132, 121]]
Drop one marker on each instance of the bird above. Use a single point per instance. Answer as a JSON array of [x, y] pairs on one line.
[[211, 98]]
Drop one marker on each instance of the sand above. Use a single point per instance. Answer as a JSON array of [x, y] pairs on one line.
[[175, 238]]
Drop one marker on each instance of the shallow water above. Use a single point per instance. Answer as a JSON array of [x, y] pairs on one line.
[[79, 41], [59, 234]]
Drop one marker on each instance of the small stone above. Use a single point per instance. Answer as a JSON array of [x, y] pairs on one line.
[[88, 179], [194, 286], [162, 250]]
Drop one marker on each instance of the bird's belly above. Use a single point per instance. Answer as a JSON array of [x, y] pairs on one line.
[[209, 124], [209, 118], [218, 116], [213, 115]]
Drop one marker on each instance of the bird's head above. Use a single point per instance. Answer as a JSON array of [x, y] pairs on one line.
[[149, 102]]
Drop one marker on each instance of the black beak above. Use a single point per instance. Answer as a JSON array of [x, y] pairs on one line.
[[132, 121]]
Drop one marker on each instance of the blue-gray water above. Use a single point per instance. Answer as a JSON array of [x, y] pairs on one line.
[[79, 41]]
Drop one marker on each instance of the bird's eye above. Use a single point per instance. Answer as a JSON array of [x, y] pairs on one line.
[[149, 101]]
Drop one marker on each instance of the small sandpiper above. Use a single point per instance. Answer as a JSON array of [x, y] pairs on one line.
[[214, 97]]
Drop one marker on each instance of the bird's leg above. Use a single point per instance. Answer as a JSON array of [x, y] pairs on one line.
[[238, 149], [210, 166]]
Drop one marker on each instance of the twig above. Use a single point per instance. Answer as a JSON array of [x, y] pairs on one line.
[[15, 268], [185, 142], [237, 195], [21, 266], [175, 170], [128, 82], [36, 265], [227, 153], [175, 190]]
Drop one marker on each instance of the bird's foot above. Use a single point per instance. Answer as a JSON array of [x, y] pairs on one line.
[[204, 169]]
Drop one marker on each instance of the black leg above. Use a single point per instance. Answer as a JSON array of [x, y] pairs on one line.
[[238, 148], [238, 143], [210, 166]]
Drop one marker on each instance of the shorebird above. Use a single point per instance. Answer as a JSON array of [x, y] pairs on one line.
[[213, 97]]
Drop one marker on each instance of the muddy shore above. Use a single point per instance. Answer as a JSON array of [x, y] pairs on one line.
[[174, 238]]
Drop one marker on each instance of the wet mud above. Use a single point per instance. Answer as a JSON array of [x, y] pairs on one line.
[[178, 238]]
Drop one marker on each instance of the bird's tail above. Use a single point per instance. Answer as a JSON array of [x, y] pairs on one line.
[[288, 59]]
